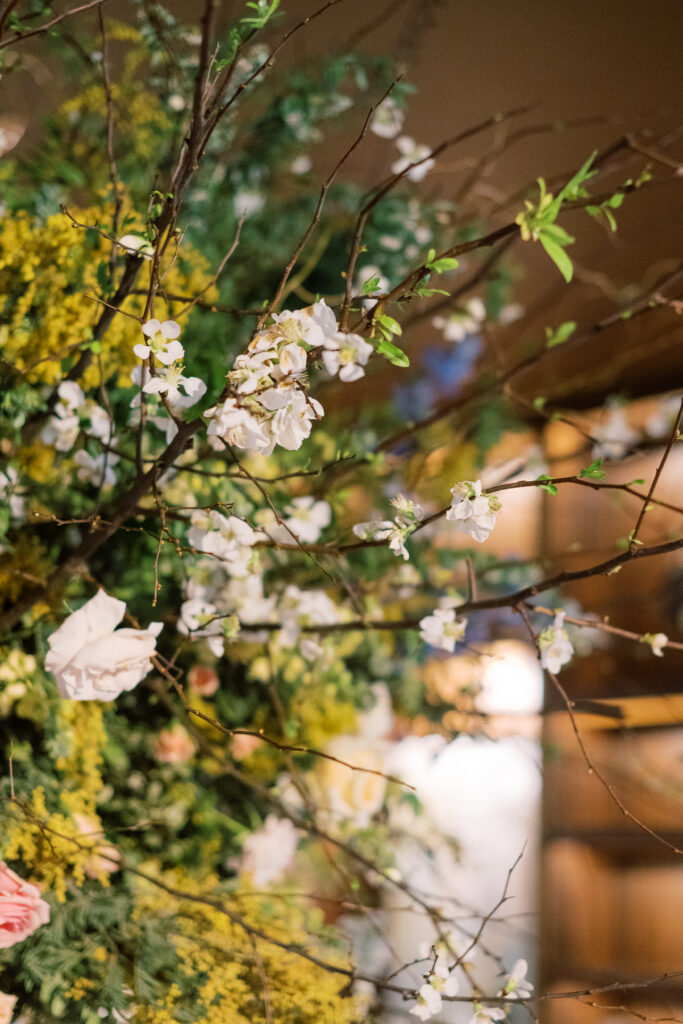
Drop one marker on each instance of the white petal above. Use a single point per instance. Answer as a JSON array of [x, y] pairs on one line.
[[151, 327]]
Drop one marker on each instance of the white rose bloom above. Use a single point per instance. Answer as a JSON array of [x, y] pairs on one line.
[[268, 852], [474, 512], [443, 629], [346, 354], [555, 646], [92, 661], [412, 153], [387, 120]]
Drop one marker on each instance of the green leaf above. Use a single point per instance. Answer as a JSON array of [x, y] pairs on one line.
[[394, 354], [539, 402], [559, 334], [442, 265], [371, 285], [593, 472], [548, 487], [558, 256]]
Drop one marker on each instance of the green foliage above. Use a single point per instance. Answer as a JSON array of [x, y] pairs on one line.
[[557, 335], [593, 472]]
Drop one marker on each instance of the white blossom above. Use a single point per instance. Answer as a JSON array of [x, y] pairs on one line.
[[304, 608], [412, 153], [346, 354], [305, 517], [474, 511], [656, 641], [162, 342], [443, 629], [97, 470], [555, 646], [294, 415], [169, 381], [9, 479], [387, 120], [517, 984], [197, 618], [460, 323], [247, 202], [301, 165], [486, 1014], [225, 537], [268, 852], [91, 659], [235, 425], [614, 436], [441, 982], [138, 245]]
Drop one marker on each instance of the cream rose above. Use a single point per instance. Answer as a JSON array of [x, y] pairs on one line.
[[22, 910], [6, 1007], [92, 662]]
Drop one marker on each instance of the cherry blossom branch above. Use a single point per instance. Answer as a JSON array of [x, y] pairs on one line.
[[20, 37], [667, 451], [590, 764]]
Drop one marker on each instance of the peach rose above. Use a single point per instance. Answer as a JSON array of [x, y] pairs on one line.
[[174, 745], [22, 910], [203, 680], [242, 746], [6, 1007]]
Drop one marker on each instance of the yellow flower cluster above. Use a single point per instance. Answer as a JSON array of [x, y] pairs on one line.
[[228, 974], [46, 271], [21, 567], [53, 845]]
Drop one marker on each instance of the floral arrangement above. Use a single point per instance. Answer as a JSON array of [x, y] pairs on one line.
[[227, 560]]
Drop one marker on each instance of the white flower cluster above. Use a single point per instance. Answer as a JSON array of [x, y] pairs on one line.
[[305, 517], [9, 493], [555, 646], [443, 628], [462, 322], [164, 347], [270, 405], [396, 530], [614, 436], [441, 982], [474, 511], [73, 413], [413, 156], [298, 608]]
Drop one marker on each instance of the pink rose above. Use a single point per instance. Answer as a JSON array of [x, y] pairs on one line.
[[203, 680], [174, 745], [22, 910]]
